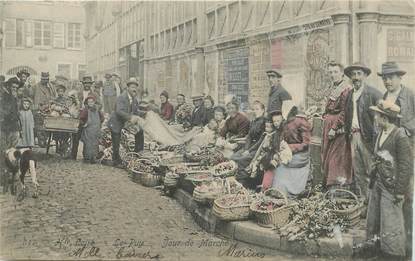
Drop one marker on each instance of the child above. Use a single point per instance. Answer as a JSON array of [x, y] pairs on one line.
[[27, 135], [90, 121]]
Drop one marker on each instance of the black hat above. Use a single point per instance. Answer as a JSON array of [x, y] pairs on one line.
[[132, 80], [391, 68], [11, 81], [44, 75], [87, 79], [107, 76], [274, 73], [356, 66], [220, 108], [23, 71]]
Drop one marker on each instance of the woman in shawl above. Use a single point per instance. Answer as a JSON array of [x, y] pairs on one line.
[[27, 135], [90, 121]]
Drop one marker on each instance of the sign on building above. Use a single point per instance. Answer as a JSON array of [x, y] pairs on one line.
[[400, 45], [236, 69]]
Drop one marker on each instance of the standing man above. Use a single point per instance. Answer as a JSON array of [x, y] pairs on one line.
[[404, 97], [199, 114], [44, 92], [126, 110], [9, 115], [109, 94], [116, 79], [277, 94], [389, 182], [359, 123]]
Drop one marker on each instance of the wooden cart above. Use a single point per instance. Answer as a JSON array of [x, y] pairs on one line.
[[60, 125]]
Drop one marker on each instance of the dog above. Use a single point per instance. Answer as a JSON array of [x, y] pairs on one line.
[[21, 160]]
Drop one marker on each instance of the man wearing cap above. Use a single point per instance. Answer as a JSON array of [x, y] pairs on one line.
[[394, 166], [109, 94], [126, 110], [43, 92], [277, 94], [359, 123], [87, 82], [404, 97], [199, 114]]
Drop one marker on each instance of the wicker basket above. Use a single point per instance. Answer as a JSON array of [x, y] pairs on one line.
[[61, 123], [232, 213], [352, 215], [150, 180], [276, 217], [205, 197], [231, 172], [171, 180], [134, 175]]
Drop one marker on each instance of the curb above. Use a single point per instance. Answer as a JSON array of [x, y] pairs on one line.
[[250, 232]]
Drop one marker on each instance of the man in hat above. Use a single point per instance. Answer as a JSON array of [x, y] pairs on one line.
[[199, 114], [389, 182], [359, 123], [22, 76], [126, 110], [109, 93], [44, 92], [277, 94], [404, 97], [116, 79]]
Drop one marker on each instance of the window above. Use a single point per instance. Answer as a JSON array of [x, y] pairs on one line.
[[74, 36], [19, 33], [28, 27], [64, 70], [10, 32], [81, 71], [59, 35], [43, 33]]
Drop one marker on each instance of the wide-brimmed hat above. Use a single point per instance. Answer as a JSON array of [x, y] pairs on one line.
[[115, 74], [107, 76], [391, 68], [87, 79], [60, 85], [132, 80], [23, 71], [44, 75], [27, 99], [356, 66], [73, 93], [274, 73], [387, 108]]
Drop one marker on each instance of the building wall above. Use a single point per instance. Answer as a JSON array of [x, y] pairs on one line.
[[43, 58], [216, 48]]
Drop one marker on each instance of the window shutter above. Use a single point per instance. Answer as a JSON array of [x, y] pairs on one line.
[[10, 32], [59, 35], [28, 33]]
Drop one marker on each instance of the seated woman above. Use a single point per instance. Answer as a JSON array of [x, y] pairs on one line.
[[220, 116], [292, 178], [166, 109], [257, 127], [236, 127], [210, 110], [207, 137]]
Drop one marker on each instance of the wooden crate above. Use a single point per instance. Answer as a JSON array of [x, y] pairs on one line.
[[61, 123]]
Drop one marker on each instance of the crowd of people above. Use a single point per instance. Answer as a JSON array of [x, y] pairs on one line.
[[367, 136]]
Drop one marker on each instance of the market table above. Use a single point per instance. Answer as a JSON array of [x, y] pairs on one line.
[[60, 125]]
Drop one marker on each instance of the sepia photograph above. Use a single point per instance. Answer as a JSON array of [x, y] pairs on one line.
[[207, 130]]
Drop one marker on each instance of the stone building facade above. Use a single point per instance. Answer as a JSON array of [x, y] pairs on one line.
[[225, 47], [42, 36]]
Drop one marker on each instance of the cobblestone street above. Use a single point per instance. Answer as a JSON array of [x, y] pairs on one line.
[[94, 211]]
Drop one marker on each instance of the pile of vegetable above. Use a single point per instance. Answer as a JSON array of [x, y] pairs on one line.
[[206, 156], [312, 218], [179, 149], [225, 169], [184, 111]]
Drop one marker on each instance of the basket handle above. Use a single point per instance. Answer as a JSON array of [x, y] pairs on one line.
[[343, 190], [279, 191]]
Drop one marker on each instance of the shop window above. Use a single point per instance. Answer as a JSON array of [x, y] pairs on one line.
[[74, 35]]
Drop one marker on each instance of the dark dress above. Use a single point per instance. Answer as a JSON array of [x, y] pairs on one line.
[[199, 117], [91, 133], [336, 153]]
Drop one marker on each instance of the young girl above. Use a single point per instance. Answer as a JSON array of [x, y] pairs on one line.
[[27, 137], [90, 122]]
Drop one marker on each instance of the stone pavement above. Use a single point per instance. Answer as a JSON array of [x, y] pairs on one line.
[[95, 212]]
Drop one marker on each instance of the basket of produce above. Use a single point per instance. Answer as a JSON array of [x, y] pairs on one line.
[[61, 123], [225, 169], [348, 208], [200, 177], [232, 207], [205, 156], [141, 171], [171, 179], [207, 192], [270, 211], [170, 158], [150, 179]]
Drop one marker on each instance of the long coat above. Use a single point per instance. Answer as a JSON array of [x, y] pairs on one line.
[[123, 111], [406, 100], [43, 94], [9, 113], [277, 96], [369, 97]]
